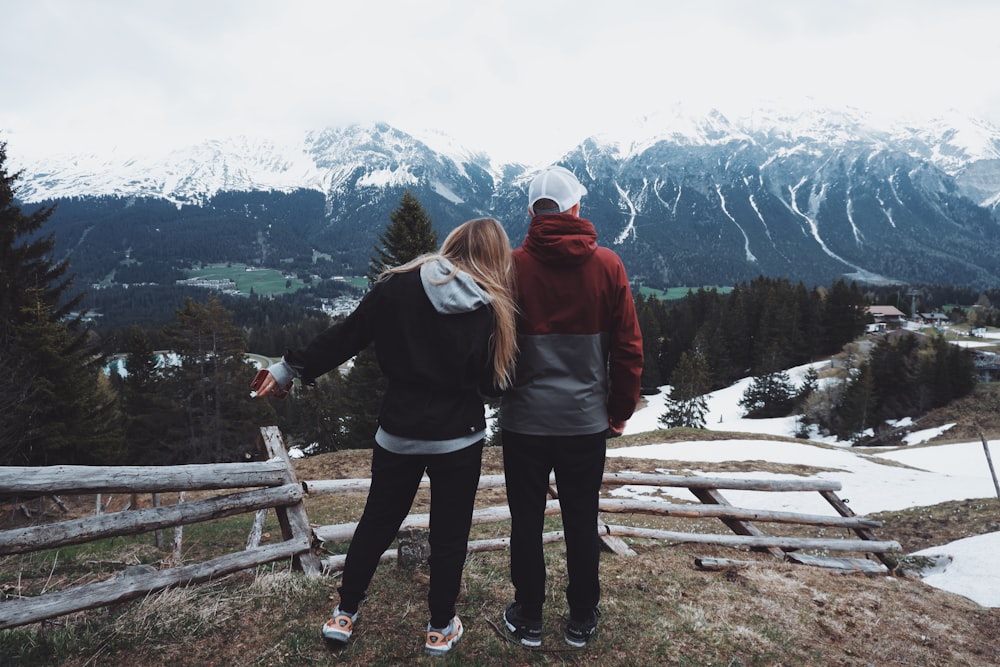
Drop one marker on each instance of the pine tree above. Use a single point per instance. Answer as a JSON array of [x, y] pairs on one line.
[[652, 340], [149, 411], [844, 315], [215, 420], [809, 386], [409, 235], [769, 395], [686, 405], [57, 407], [314, 414], [858, 405]]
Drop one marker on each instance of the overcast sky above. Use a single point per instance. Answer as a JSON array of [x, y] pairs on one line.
[[524, 80]]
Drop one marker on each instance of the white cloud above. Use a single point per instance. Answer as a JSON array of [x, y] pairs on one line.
[[523, 80]]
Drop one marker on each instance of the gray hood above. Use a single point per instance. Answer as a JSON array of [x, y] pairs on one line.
[[450, 296]]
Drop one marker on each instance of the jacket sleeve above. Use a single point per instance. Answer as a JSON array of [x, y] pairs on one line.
[[338, 343], [625, 353]]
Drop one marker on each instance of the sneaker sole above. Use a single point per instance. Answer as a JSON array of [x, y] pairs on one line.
[[533, 643], [334, 635], [578, 643]]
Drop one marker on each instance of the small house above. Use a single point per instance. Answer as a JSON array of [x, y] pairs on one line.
[[889, 317]]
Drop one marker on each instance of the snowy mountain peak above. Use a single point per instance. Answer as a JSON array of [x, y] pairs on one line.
[[184, 175]]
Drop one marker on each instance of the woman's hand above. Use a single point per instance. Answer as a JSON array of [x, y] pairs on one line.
[[273, 381]]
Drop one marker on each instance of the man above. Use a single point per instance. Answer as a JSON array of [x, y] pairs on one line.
[[577, 382]]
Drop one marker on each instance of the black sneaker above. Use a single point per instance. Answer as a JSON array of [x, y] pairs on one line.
[[527, 631], [579, 631]]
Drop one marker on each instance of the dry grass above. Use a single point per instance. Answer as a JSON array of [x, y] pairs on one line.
[[659, 609]]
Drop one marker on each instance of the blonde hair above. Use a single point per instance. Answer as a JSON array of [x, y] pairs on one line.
[[481, 248]]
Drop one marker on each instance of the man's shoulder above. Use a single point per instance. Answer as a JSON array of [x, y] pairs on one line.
[[608, 257]]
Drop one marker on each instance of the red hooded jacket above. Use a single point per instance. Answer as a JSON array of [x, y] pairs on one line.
[[580, 354]]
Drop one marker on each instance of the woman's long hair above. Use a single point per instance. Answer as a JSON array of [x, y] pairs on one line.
[[481, 248]]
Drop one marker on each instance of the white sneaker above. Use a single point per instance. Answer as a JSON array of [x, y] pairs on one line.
[[340, 625], [440, 640]]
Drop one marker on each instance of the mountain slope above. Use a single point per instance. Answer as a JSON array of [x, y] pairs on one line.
[[684, 200]]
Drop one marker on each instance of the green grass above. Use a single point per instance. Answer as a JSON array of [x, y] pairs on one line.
[[673, 293], [266, 282]]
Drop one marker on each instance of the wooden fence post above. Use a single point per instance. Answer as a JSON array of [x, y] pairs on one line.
[[293, 520]]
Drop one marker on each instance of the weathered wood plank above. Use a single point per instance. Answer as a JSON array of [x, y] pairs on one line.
[[22, 611], [613, 543], [754, 541], [344, 531], [323, 486], [864, 533], [698, 482], [293, 519], [133, 522], [715, 511], [257, 530], [336, 563], [713, 497], [47, 480], [861, 565], [717, 564]]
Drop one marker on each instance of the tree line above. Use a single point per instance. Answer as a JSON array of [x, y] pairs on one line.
[[760, 326]]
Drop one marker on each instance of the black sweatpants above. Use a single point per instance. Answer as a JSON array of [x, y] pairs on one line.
[[395, 479], [578, 463]]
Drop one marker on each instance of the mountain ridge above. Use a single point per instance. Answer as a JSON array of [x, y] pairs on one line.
[[807, 196]]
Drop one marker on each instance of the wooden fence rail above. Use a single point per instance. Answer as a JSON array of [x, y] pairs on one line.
[[741, 521], [271, 484], [261, 486]]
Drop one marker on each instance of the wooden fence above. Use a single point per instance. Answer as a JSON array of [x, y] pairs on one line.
[[273, 484], [743, 523]]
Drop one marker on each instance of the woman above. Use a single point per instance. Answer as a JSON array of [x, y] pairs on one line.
[[444, 329]]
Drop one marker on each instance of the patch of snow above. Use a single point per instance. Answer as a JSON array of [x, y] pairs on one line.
[[892, 479]]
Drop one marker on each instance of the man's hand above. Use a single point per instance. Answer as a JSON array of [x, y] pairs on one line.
[[615, 428]]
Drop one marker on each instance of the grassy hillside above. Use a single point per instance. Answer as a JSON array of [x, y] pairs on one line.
[[658, 608]]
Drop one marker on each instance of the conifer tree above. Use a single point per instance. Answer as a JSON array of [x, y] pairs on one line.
[[57, 405], [858, 405], [686, 405], [215, 420], [769, 395], [409, 235], [844, 315], [809, 386], [149, 412], [313, 414], [652, 340]]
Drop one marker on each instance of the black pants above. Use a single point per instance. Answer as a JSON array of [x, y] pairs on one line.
[[395, 480], [578, 462]]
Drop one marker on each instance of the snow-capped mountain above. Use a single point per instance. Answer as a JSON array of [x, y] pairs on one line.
[[185, 175], [685, 199]]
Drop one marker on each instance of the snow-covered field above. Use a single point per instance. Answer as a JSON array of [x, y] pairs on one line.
[[930, 474]]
